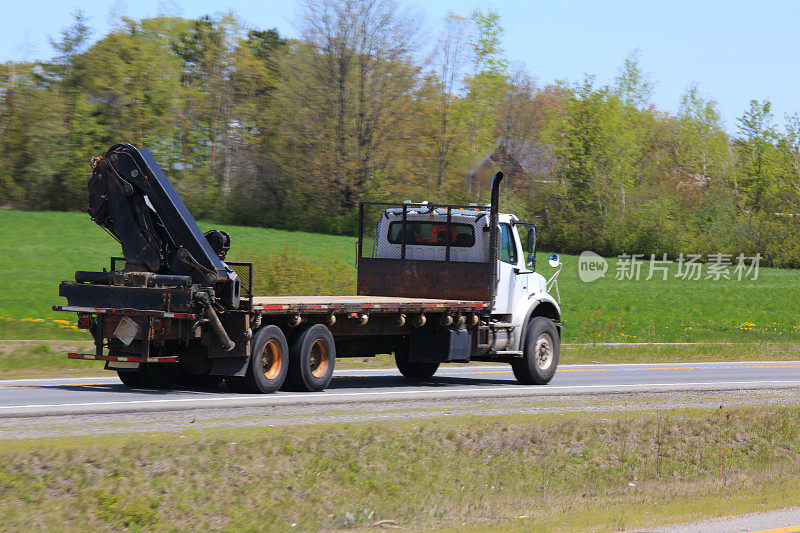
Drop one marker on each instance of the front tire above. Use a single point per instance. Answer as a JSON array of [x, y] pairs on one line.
[[312, 358], [540, 359]]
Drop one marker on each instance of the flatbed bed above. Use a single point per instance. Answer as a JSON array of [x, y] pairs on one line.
[[361, 304]]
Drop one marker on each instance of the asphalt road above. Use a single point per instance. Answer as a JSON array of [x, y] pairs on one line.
[[106, 394]]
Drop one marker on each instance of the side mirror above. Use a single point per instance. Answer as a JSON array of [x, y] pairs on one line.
[[554, 261], [531, 239], [531, 262]]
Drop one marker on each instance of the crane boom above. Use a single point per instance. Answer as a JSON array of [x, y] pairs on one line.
[[131, 197]]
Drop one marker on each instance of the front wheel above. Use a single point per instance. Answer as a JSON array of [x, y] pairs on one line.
[[540, 354]]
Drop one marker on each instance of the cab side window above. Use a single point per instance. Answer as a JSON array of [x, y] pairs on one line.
[[508, 249]]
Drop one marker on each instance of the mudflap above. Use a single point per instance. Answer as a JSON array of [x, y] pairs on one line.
[[237, 326]]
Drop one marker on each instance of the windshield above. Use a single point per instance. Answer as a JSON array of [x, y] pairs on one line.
[[433, 234]]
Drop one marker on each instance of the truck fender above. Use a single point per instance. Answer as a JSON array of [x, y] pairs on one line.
[[545, 307]]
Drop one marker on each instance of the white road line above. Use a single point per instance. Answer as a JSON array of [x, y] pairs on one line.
[[446, 369]]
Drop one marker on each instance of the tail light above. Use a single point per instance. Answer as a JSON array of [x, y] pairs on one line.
[[157, 324], [84, 321]]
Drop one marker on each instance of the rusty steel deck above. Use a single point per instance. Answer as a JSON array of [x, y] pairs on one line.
[[362, 304]]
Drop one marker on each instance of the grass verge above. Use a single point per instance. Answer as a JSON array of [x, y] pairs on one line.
[[23, 359], [566, 472], [679, 353]]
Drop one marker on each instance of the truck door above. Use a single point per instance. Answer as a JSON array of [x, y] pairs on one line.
[[506, 275]]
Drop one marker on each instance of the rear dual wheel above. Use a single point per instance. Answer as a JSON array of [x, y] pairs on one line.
[[268, 366], [130, 378], [149, 376], [416, 370], [311, 359], [200, 381]]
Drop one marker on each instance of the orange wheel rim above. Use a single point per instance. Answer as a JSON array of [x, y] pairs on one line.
[[320, 358], [272, 360]]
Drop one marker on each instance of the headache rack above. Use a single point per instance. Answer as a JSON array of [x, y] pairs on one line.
[[469, 276]]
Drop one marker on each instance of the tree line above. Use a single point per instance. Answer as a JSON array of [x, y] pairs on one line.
[[367, 103]]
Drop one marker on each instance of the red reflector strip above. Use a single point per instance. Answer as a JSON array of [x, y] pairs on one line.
[[76, 309], [180, 315], [105, 311], [275, 307], [93, 357]]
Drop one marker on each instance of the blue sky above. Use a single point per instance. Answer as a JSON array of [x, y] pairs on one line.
[[733, 50]]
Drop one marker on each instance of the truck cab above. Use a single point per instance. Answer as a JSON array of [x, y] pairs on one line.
[[428, 232], [450, 252]]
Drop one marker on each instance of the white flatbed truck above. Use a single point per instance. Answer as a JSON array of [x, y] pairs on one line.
[[436, 284]]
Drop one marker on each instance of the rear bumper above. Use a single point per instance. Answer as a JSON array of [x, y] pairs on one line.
[[122, 359], [109, 311]]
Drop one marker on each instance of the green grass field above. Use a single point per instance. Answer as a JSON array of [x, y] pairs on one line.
[[607, 471], [42, 248]]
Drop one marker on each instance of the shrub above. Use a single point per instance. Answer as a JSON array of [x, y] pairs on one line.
[[289, 274]]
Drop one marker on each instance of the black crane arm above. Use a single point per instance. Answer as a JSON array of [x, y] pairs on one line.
[[131, 197]]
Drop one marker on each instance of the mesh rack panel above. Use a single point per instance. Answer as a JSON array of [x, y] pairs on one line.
[[425, 251], [245, 273], [454, 233], [118, 263]]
